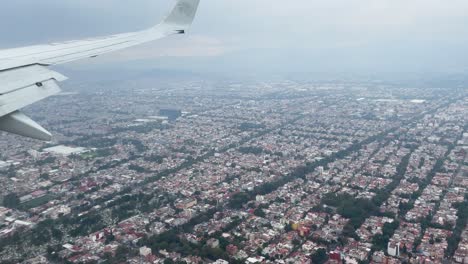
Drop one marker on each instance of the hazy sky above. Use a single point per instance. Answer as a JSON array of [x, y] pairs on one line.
[[263, 35]]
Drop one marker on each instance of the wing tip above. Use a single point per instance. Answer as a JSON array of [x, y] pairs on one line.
[[183, 14]]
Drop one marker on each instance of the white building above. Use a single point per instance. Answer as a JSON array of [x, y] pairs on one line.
[[393, 249], [4, 164], [65, 151], [145, 251], [220, 261]]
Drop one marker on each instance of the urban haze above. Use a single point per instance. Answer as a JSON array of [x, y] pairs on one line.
[[272, 132]]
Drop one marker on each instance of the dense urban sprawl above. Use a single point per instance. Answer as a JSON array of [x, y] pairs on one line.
[[240, 172]]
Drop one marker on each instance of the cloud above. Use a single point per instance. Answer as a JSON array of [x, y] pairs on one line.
[[184, 52], [182, 46]]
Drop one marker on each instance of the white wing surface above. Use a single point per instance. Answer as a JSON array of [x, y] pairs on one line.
[[25, 78]]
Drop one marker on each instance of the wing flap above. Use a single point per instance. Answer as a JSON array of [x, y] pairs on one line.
[[26, 85], [20, 98], [21, 87], [25, 76]]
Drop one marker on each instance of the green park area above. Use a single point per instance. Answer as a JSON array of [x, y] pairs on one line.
[[37, 202]]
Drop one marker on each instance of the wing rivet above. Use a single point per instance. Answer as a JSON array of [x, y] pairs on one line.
[[39, 84]]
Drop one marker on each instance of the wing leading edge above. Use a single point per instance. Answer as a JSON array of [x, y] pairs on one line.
[[24, 78]]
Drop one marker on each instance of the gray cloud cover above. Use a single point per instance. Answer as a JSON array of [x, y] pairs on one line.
[[264, 35]]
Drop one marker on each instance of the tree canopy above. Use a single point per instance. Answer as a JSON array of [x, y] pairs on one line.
[[320, 256], [11, 201]]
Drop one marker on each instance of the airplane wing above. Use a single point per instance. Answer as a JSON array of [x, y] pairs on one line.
[[26, 79]]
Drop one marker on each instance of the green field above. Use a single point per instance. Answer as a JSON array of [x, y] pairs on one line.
[[37, 202], [88, 155]]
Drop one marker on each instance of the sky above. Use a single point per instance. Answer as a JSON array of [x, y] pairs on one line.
[[273, 36]]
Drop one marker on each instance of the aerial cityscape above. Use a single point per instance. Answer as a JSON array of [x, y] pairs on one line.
[[188, 170], [234, 132]]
